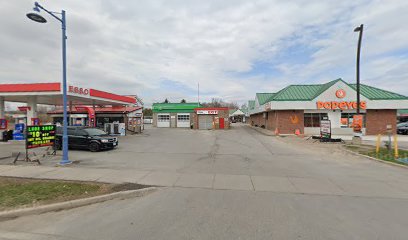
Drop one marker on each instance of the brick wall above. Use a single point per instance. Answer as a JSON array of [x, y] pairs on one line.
[[290, 120], [257, 119], [377, 121], [271, 121]]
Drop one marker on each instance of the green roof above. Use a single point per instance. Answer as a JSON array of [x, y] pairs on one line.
[[264, 97], [251, 104], [175, 107], [244, 110], [374, 93], [311, 91]]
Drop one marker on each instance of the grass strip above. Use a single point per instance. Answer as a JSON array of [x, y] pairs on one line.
[[27, 192], [383, 154]]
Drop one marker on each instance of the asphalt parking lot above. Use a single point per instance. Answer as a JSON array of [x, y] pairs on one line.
[[227, 184]]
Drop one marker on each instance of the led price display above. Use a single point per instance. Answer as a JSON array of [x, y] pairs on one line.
[[40, 136]]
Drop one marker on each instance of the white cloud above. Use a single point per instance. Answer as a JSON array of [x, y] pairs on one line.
[[130, 47]]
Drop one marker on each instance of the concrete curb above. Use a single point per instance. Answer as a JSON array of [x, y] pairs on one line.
[[375, 159], [6, 215]]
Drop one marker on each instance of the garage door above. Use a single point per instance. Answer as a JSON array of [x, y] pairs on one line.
[[205, 121], [183, 120], [163, 120]]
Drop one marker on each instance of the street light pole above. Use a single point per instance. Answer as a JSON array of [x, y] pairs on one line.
[[360, 30], [38, 18]]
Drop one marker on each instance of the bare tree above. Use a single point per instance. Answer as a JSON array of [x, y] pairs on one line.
[[218, 102]]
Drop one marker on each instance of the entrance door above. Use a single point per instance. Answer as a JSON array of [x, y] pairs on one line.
[[163, 120], [221, 123], [183, 120], [205, 121]]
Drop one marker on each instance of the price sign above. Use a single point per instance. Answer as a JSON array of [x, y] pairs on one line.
[[40, 136]]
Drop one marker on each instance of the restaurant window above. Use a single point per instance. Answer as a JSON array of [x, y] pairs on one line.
[[346, 120], [313, 119]]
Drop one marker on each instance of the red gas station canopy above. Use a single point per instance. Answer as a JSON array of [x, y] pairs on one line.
[[51, 94]]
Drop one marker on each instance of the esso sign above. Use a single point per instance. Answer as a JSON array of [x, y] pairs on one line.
[[207, 112], [78, 90], [340, 93]]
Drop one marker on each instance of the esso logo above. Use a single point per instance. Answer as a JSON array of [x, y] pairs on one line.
[[340, 93], [78, 90]]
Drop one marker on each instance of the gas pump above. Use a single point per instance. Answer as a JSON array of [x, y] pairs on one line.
[[35, 121]]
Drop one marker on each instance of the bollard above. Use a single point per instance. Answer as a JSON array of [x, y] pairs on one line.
[[377, 147], [396, 146]]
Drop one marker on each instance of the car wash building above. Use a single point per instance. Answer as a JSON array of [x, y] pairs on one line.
[[300, 108], [211, 118], [189, 115], [173, 115]]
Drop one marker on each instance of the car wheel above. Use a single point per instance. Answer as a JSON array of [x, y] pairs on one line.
[[57, 145], [94, 147]]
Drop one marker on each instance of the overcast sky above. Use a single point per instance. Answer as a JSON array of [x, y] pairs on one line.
[[163, 48]]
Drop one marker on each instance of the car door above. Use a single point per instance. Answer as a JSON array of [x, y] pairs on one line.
[[71, 137], [81, 138]]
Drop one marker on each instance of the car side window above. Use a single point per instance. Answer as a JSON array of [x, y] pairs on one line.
[[71, 131], [81, 132]]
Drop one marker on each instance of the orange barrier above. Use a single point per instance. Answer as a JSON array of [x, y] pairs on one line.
[[276, 131], [297, 132]]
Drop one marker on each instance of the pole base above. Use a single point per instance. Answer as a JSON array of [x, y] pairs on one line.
[[64, 162], [356, 140]]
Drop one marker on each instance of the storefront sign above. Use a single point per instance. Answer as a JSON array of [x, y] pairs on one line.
[[207, 112], [325, 128], [78, 90], [340, 105], [340, 93], [40, 136]]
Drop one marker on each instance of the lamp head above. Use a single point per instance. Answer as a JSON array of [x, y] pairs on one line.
[[36, 17], [359, 29]]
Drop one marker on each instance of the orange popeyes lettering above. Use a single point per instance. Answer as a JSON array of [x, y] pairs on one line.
[[340, 105]]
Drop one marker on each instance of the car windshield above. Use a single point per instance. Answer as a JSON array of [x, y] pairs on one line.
[[402, 124], [95, 132]]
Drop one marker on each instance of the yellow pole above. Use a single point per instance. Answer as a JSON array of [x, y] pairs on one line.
[[377, 147], [395, 146]]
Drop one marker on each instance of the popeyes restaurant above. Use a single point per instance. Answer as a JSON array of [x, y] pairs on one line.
[[298, 109]]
